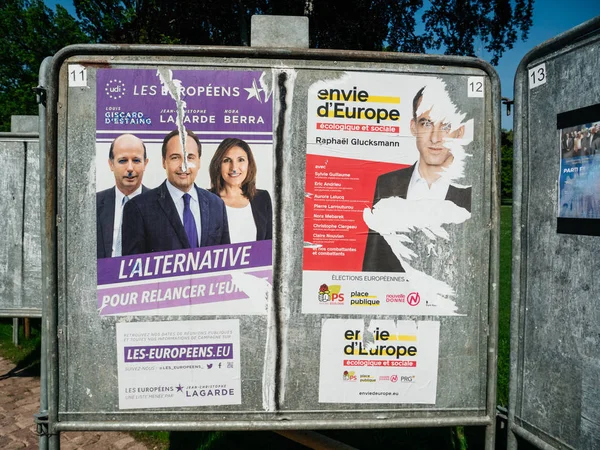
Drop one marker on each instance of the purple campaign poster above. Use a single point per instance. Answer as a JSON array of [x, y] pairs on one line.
[[218, 103], [184, 189]]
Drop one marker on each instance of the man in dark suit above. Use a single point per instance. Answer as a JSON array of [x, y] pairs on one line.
[[127, 160], [177, 214], [420, 181]]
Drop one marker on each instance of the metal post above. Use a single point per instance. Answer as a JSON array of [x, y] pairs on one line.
[[15, 331], [41, 96], [49, 257]]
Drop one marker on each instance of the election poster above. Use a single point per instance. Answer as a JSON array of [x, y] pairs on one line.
[[387, 192], [184, 188], [171, 364], [378, 361], [579, 178]]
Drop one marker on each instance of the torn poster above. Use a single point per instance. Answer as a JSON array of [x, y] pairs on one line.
[[387, 192], [380, 361], [171, 145]]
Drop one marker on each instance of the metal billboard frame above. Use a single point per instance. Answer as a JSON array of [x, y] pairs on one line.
[[521, 188], [53, 221]]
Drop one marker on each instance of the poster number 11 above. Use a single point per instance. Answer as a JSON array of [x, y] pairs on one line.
[[77, 75], [537, 76]]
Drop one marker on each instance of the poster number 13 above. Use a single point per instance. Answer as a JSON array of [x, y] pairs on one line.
[[537, 76], [77, 75]]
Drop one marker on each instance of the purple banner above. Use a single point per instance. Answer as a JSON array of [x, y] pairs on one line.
[[174, 263], [170, 294], [218, 103], [192, 352]]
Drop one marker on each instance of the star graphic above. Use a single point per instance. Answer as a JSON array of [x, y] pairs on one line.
[[179, 388], [254, 91]]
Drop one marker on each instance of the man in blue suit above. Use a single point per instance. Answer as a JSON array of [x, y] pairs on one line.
[[127, 160], [177, 214]]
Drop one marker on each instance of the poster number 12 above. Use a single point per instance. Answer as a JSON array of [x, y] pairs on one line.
[[77, 75], [475, 87], [537, 76]]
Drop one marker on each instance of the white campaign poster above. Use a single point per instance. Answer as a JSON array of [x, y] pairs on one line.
[[378, 361], [184, 363]]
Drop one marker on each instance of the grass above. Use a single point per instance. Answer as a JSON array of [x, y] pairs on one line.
[[156, 440], [504, 304], [405, 439], [25, 355], [459, 438]]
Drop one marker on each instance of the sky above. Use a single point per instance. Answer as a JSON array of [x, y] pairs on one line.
[[550, 18]]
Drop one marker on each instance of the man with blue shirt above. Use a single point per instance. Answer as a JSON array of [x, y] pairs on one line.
[[177, 214]]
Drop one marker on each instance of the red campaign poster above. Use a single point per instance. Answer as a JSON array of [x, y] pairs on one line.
[[385, 190], [338, 190]]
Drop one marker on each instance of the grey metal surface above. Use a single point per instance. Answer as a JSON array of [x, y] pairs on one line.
[[555, 325], [24, 124], [83, 372], [231, 424], [20, 253], [279, 31]]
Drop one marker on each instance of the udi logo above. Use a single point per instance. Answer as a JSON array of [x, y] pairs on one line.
[[413, 299], [115, 89], [331, 294]]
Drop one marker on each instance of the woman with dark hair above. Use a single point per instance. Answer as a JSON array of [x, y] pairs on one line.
[[233, 178]]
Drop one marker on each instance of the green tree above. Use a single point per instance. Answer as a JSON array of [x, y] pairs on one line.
[[506, 166], [186, 22], [30, 31], [457, 25], [454, 25]]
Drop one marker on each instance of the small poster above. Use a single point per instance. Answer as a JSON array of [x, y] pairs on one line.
[[171, 364], [579, 178], [386, 194], [378, 361], [184, 184]]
